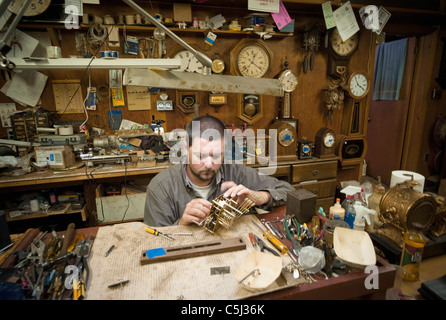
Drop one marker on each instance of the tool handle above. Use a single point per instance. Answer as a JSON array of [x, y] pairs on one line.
[[67, 240], [276, 242], [152, 231]]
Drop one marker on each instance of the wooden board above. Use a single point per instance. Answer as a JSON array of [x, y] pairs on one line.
[[196, 250]]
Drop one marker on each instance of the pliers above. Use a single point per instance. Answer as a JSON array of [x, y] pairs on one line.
[[263, 246]]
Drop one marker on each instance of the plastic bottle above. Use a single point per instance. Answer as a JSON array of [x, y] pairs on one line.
[[350, 212], [414, 242], [336, 209]]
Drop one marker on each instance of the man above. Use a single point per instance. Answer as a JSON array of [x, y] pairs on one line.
[[182, 193]]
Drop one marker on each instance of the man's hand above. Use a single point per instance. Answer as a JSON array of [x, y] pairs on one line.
[[196, 210], [231, 189]]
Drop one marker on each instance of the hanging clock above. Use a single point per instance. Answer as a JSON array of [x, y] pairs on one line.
[[358, 85], [324, 143], [189, 63], [218, 65], [251, 58], [286, 140], [288, 79], [340, 53], [35, 7]]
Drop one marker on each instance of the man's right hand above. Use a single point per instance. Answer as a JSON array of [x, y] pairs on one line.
[[196, 210]]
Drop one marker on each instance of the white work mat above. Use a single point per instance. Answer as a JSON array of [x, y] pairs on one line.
[[188, 278]]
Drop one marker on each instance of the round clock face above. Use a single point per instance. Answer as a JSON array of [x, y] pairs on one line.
[[343, 48], [253, 61], [35, 8], [286, 137], [288, 79], [329, 140], [218, 66], [358, 85], [189, 62]]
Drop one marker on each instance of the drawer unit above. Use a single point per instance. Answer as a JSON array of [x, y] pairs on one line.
[[314, 171], [318, 177]]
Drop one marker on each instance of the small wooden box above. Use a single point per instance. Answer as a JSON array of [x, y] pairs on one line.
[[301, 203]]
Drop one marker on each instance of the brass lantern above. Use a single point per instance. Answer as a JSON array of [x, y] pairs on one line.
[[401, 206]]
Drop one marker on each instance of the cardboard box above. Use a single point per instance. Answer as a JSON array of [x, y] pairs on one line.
[[182, 12], [57, 157]]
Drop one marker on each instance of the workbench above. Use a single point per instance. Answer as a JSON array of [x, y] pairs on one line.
[[106, 270]]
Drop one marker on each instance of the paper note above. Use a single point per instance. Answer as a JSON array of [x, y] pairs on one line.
[[22, 45], [264, 5], [7, 110], [384, 16], [138, 98], [327, 11], [282, 18], [26, 87], [68, 96], [346, 21]]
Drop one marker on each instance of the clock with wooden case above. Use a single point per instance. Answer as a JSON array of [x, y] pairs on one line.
[[304, 148], [286, 140], [324, 143], [340, 53], [358, 85], [251, 58]]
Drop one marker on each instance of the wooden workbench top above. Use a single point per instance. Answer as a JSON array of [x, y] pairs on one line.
[[78, 174]]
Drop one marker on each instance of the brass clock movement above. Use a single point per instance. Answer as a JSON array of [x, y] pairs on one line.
[[340, 52], [251, 58], [324, 143]]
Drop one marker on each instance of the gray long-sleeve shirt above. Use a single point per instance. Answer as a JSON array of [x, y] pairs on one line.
[[169, 192]]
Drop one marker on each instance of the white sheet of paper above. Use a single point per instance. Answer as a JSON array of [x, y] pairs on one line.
[[26, 87], [23, 46], [264, 5], [346, 21]]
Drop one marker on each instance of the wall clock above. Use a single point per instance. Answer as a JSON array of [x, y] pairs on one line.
[[324, 143], [218, 65], [35, 8], [189, 63], [286, 140], [358, 85], [250, 108], [340, 53], [251, 58]]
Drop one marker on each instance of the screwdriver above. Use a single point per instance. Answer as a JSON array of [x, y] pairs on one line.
[[157, 233], [274, 241]]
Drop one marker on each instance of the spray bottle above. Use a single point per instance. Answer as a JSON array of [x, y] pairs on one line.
[[359, 213]]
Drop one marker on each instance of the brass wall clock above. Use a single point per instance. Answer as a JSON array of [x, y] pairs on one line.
[[251, 58], [35, 8], [340, 53], [218, 65]]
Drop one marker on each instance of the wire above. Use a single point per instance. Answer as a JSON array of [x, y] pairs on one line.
[[87, 68]]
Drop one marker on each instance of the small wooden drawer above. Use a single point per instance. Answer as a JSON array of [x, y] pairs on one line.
[[321, 189], [279, 171], [314, 171]]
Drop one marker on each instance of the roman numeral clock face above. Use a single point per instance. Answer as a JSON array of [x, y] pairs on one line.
[[358, 85], [251, 58]]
